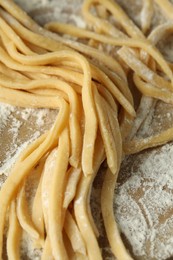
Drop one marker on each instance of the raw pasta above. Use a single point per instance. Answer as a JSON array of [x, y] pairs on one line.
[[95, 121]]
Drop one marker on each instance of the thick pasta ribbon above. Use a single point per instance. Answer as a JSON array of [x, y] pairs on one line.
[[146, 15], [112, 231], [167, 7], [91, 92], [80, 205], [14, 234], [24, 218]]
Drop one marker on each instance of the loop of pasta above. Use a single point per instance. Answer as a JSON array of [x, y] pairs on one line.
[[95, 112]]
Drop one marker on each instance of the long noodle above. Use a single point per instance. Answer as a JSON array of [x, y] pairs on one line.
[[146, 15], [95, 120], [14, 234]]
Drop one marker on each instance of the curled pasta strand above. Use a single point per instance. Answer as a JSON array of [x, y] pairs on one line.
[[148, 90], [47, 251], [49, 93], [122, 85], [107, 197], [55, 212], [81, 204], [108, 98], [107, 136], [128, 106], [48, 171], [74, 235], [145, 106], [125, 122], [160, 32], [140, 144], [167, 7], [14, 234], [27, 99], [37, 212], [70, 191], [24, 218], [11, 73], [146, 15]]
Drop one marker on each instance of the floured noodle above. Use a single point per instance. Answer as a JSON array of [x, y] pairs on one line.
[[90, 90], [23, 216], [14, 234], [166, 7], [146, 15]]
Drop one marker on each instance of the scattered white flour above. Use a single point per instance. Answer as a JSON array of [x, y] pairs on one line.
[[5, 112], [27, 249], [143, 204], [18, 128], [54, 10]]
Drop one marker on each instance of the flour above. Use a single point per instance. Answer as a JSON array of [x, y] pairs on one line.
[[5, 112], [18, 128], [52, 10], [143, 204]]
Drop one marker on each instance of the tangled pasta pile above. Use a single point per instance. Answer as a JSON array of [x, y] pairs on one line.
[[95, 120]]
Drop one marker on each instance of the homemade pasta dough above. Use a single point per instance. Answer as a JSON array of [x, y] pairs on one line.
[[97, 120]]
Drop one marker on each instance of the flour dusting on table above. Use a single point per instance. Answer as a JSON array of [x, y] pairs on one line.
[[143, 204], [18, 128]]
